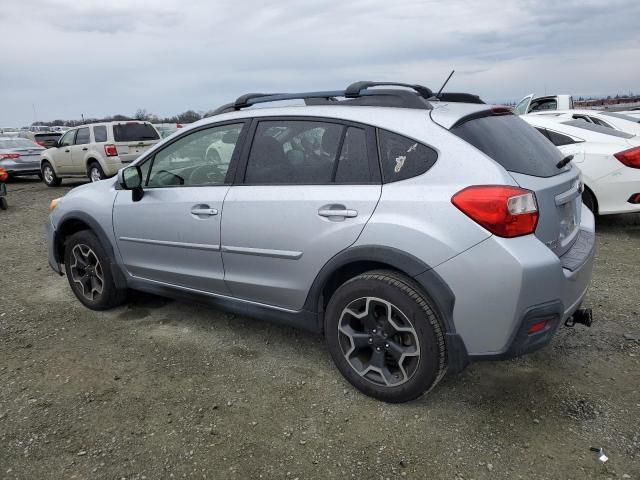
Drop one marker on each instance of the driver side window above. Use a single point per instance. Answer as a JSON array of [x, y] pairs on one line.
[[199, 159]]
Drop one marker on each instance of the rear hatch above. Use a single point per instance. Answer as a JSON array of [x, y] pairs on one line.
[[133, 138], [532, 161], [47, 140]]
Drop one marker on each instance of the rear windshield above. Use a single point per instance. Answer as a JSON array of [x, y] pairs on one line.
[[621, 116], [47, 136], [513, 143], [134, 132], [597, 128]]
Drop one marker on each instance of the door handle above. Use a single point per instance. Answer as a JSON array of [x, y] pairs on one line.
[[85, 149], [344, 212], [67, 150], [209, 212]]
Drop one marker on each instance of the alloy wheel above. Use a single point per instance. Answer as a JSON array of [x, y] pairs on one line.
[[94, 174], [86, 271], [48, 174], [379, 341]]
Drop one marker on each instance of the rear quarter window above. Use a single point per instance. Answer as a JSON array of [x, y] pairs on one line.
[[100, 133], [511, 142], [402, 157], [134, 132]]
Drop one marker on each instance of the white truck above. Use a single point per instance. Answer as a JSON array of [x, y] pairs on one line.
[[531, 103]]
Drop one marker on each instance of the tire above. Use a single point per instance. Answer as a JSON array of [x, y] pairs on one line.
[[3, 203], [49, 176], [361, 339], [95, 172], [590, 201], [88, 269]]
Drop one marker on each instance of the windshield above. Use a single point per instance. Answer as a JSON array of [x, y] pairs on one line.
[[7, 143], [134, 132], [621, 116], [597, 128]]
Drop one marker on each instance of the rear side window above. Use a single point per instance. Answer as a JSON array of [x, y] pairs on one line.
[[402, 157], [100, 133], [134, 132], [558, 139], [82, 138], [512, 143], [294, 152]]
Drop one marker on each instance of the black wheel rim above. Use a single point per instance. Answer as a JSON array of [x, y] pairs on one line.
[[86, 272], [379, 341]]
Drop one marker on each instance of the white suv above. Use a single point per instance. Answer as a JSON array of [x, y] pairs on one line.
[[97, 150]]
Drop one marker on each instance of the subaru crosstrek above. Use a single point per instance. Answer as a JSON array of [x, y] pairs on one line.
[[416, 232]]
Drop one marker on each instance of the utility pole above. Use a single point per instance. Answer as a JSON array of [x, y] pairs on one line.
[[35, 115]]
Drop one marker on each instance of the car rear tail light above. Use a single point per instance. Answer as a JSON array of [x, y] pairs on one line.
[[110, 150], [3, 175], [503, 210], [11, 156], [635, 198], [40, 142], [631, 157]]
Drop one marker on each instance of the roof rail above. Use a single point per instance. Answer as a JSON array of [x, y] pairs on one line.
[[358, 93]]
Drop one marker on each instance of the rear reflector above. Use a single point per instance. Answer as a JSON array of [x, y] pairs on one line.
[[503, 210], [631, 157], [11, 156], [537, 327], [110, 150]]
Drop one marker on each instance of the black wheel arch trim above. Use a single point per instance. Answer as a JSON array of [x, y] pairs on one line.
[[118, 275], [432, 283]]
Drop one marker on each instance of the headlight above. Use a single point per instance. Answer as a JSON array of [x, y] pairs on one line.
[[54, 204]]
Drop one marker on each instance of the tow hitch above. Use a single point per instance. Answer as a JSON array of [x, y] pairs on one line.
[[583, 316]]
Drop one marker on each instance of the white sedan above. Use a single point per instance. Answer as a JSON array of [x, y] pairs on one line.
[[617, 121], [609, 160]]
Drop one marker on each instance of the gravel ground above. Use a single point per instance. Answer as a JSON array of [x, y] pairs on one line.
[[163, 389]]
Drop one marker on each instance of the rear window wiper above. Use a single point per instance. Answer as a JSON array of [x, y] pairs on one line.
[[564, 161]]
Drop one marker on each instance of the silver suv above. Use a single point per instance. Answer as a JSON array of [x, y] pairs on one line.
[[96, 150], [416, 232]]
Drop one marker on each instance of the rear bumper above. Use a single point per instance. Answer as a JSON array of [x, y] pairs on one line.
[[614, 190], [20, 168], [502, 286], [112, 165]]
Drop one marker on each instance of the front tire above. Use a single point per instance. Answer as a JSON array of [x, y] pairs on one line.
[[49, 176], [3, 203], [385, 336], [88, 269]]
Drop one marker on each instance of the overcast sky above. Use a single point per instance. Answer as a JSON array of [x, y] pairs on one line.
[[63, 58]]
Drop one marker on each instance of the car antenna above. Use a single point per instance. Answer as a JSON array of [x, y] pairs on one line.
[[437, 95]]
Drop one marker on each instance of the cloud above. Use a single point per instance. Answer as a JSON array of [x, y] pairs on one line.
[[167, 56]]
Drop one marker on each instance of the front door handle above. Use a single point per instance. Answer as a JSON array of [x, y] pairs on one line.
[[209, 212], [67, 150], [342, 212]]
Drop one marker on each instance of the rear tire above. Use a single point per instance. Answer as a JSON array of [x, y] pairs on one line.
[[385, 336], [95, 172], [589, 199], [88, 269], [3, 203], [49, 176]]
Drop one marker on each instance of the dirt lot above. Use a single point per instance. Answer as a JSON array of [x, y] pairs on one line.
[[162, 389]]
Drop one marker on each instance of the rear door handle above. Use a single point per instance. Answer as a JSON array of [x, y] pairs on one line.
[[208, 212], [327, 212], [85, 149]]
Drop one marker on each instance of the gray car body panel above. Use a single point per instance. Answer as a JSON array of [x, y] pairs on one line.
[[267, 246]]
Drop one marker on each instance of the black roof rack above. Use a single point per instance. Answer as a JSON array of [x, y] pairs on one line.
[[358, 93]]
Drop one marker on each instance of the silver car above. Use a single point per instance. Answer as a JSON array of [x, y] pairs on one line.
[[20, 156], [417, 233]]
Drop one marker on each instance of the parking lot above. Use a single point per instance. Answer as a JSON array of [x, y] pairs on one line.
[[163, 389]]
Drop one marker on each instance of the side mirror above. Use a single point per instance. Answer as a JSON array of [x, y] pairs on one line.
[[130, 178]]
